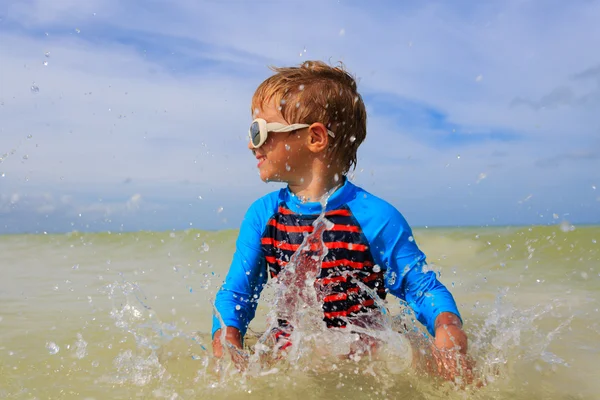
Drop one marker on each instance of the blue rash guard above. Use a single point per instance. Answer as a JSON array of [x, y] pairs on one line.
[[370, 241]]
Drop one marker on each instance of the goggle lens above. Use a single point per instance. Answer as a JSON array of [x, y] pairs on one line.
[[255, 133]]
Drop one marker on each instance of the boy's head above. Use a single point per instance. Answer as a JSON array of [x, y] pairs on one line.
[[315, 92]]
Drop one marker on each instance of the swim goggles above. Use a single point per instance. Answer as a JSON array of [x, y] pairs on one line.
[[259, 130]]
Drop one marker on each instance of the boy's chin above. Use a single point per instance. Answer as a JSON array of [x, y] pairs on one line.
[[272, 178]]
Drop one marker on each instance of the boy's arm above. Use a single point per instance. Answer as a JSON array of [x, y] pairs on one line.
[[236, 300], [409, 278], [433, 304], [419, 287]]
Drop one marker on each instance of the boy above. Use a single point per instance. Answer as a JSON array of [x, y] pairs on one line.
[[308, 124]]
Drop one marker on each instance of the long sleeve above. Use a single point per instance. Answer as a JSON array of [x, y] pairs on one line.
[[395, 250], [237, 299]]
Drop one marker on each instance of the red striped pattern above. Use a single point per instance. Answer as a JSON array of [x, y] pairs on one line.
[[340, 296], [335, 279], [310, 228], [345, 228], [280, 245], [347, 263], [273, 260], [329, 245], [285, 211], [290, 223], [291, 228], [350, 310], [342, 212], [335, 297], [371, 277], [346, 245]]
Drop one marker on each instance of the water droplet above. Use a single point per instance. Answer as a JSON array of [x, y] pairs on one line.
[[594, 187], [287, 167], [479, 78], [205, 246], [458, 156], [301, 87], [594, 241], [336, 177], [45, 63], [29, 136], [566, 227], [392, 278], [76, 266], [34, 88], [219, 210], [77, 30], [376, 268], [47, 54], [52, 347], [411, 239], [352, 139], [25, 157], [95, 364], [199, 197], [237, 307], [287, 147], [298, 105]]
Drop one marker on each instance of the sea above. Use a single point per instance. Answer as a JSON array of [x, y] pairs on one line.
[[127, 315]]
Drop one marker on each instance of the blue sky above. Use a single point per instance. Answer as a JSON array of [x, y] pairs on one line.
[[133, 115]]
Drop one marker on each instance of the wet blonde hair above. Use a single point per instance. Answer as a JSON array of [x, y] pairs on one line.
[[316, 92]]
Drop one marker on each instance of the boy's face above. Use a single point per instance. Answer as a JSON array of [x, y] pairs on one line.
[[284, 156]]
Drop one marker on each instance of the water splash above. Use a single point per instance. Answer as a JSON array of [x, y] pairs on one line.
[[80, 347], [310, 344], [52, 347]]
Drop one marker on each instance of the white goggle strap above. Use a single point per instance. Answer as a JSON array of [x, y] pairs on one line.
[[277, 127], [265, 128]]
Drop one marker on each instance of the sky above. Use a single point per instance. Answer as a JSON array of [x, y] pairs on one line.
[[134, 115]]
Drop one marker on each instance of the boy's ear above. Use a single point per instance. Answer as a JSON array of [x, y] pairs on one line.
[[318, 139]]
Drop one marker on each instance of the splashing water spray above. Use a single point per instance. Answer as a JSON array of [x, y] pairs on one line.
[[297, 313]]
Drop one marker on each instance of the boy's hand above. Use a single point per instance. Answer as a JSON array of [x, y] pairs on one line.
[[450, 351], [233, 337], [449, 333]]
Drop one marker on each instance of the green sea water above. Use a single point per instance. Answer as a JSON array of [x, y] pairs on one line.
[[128, 315]]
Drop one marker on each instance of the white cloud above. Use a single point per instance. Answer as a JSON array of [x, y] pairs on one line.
[[157, 106]]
